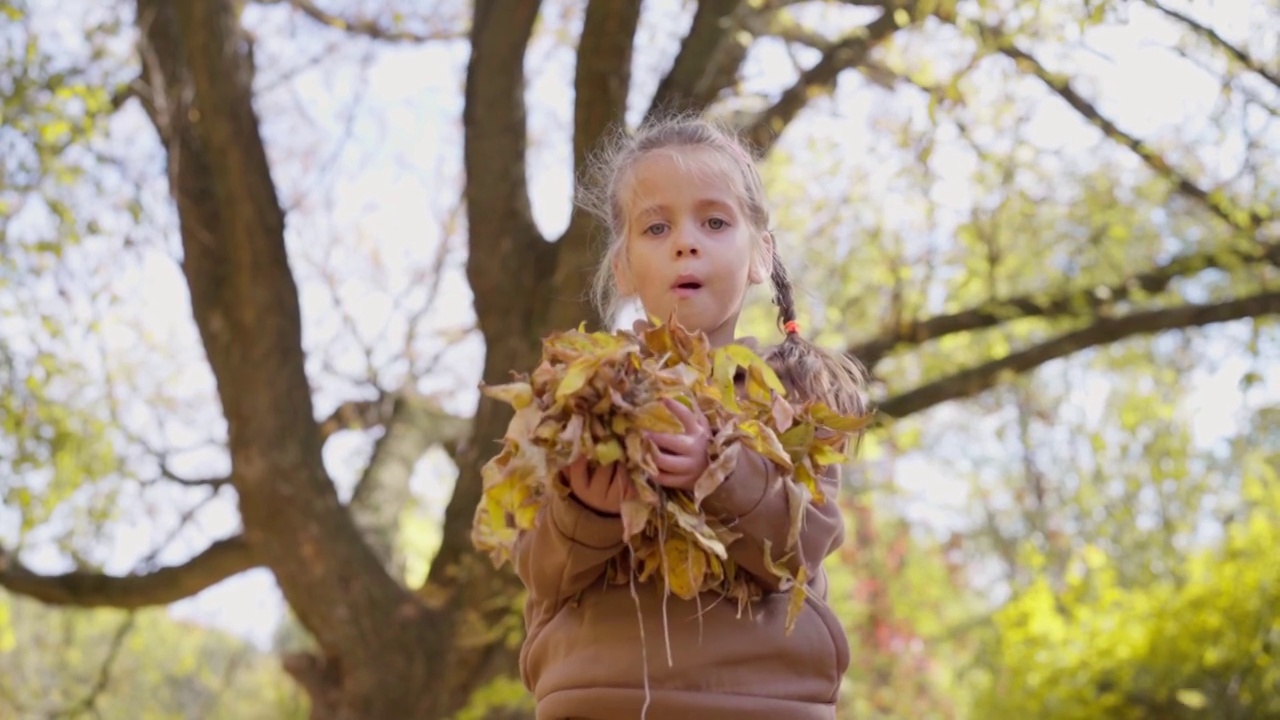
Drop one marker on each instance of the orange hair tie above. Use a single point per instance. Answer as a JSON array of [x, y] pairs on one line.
[[792, 327]]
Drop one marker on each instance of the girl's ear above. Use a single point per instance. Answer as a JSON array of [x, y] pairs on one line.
[[761, 260]]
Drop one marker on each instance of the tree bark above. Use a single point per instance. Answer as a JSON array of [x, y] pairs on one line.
[[245, 305]]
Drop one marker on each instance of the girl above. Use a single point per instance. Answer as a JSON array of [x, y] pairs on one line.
[[685, 209]]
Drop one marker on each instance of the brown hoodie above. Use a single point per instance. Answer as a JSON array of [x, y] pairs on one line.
[[587, 641]]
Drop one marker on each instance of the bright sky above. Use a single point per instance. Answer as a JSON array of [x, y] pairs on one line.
[[401, 167]]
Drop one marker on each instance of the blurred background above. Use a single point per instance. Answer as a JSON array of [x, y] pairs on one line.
[[1048, 226]]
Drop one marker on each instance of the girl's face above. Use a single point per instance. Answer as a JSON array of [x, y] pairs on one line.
[[690, 249]]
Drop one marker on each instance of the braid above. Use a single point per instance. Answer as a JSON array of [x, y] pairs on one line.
[[782, 295], [836, 379]]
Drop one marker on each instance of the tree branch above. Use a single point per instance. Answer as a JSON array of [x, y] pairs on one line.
[[1069, 302], [498, 214], [369, 28], [416, 424], [218, 562], [89, 703], [1245, 221], [707, 63], [766, 128], [357, 415], [601, 83], [1101, 332], [1220, 42], [245, 303]]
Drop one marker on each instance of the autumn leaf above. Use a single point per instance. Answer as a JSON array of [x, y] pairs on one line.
[[657, 417], [686, 567], [516, 394], [608, 452]]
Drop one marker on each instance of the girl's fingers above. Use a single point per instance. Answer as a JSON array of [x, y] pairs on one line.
[[693, 418], [676, 464], [682, 413], [675, 480], [601, 474], [676, 444]]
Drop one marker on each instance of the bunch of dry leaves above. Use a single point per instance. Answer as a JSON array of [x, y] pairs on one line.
[[595, 395]]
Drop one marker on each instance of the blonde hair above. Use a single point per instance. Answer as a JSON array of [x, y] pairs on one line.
[[837, 379]]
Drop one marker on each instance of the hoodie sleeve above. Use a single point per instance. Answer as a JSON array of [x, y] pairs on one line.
[[754, 503], [566, 550]]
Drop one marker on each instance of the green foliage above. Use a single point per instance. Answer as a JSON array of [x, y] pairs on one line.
[[1202, 646], [161, 669]]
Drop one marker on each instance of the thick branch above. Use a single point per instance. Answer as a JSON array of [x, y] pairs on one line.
[[602, 80], [220, 561], [245, 303], [1070, 302], [416, 424], [821, 78], [1101, 332], [502, 231], [707, 63], [370, 28], [1245, 221], [1218, 41]]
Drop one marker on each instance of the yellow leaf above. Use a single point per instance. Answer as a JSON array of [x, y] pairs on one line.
[[797, 438], [797, 500], [762, 440], [827, 417], [804, 476], [657, 417], [516, 394], [608, 452], [798, 595], [744, 356], [576, 377], [686, 567], [824, 454]]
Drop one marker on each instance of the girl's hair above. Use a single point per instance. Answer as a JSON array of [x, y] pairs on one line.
[[815, 374]]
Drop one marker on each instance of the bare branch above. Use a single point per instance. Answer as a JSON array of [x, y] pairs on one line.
[[89, 703], [358, 415], [708, 60], [1217, 202], [1101, 332], [218, 562], [416, 424], [370, 28], [1070, 302], [821, 78], [1220, 42]]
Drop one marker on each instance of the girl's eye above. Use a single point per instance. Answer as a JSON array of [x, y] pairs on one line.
[[717, 223], [655, 229]]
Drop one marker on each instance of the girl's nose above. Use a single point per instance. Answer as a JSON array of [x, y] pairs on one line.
[[689, 250]]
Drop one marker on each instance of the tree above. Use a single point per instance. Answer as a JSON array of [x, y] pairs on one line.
[[387, 650]]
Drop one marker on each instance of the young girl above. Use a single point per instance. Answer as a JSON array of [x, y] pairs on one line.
[[685, 209]]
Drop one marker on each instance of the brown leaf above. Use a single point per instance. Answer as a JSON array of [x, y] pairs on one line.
[[716, 473]]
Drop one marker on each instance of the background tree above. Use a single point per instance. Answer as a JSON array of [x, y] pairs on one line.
[[959, 247]]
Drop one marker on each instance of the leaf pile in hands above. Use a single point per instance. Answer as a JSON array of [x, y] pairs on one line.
[[596, 395]]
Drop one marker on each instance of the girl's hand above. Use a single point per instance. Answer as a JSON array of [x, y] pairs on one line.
[[682, 457], [603, 488]]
